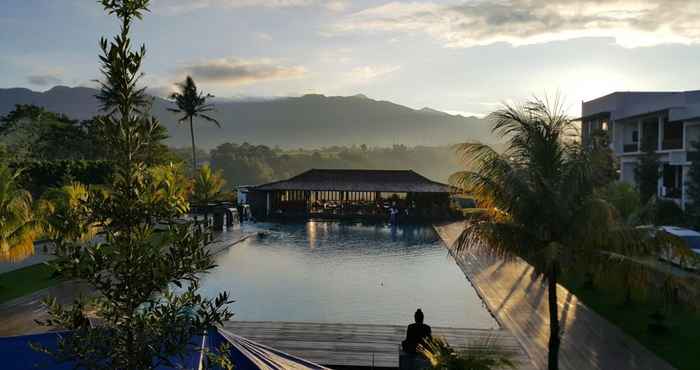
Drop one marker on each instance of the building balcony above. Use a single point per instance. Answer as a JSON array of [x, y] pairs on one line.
[[630, 148], [693, 156], [672, 144]]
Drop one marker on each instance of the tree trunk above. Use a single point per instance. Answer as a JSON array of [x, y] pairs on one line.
[[194, 152], [554, 339]]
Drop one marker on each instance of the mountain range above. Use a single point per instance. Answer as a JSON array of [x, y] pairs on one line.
[[308, 121]]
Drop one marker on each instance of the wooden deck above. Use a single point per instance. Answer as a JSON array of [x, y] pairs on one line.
[[356, 345], [519, 302]]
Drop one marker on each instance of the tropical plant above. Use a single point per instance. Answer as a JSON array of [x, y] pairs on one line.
[[623, 196], [66, 213], [143, 253], [540, 203], [603, 161], [207, 185], [693, 189], [19, 223], [192, 103], [648, 170], [660, 212], [486, 354]]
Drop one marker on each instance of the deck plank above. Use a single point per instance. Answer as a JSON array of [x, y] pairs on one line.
[[357, 344], [518, 300]]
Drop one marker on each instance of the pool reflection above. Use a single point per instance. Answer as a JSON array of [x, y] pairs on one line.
[[352, 273]]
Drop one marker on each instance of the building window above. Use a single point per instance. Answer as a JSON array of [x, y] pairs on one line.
[[673, 181], [673, 135]]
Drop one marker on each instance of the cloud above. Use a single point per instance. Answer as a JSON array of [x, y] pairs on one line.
[[234, 72], [183, 6], [46, 79], [632, 23], [263, 36], [369, 73]]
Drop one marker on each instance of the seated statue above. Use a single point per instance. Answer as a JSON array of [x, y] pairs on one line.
[[416, 333]]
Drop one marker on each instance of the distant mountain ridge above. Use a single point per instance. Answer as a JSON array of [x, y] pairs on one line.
[[308, 121]]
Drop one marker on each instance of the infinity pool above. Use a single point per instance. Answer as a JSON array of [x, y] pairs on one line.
[[346, 273]]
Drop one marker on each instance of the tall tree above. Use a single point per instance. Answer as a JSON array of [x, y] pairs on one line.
[[648, 172], [33, 132], [192, 103], [19, 224], [604, 165], [540, 203], [693, 188], [144, 322]]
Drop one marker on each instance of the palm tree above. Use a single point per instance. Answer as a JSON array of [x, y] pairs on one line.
[[207, 185], [19, 225], [192, 103], [66, 213], [539, 201]]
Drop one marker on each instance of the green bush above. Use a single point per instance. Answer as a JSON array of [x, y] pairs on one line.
[[624, 197], [41, 175], [660, 212]]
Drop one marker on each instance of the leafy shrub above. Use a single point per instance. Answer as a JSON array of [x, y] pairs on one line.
[[660, 212], [41, 175], [624, 197]]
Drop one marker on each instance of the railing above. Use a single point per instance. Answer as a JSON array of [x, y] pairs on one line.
[[630, 148], [693, 156], [670, 144], [673, 193]]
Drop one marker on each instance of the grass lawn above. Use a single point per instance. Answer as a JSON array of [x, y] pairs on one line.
[[679, 346], [26, 280]]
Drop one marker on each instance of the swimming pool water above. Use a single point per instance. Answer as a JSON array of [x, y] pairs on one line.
[[346, 273]]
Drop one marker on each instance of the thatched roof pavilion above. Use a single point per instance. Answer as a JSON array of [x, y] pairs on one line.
[[393, 181], [339, 193]]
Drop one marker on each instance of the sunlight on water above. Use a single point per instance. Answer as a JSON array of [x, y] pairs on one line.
[[349, 273]]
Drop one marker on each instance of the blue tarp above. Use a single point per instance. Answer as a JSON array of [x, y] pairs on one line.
[[16, 353]]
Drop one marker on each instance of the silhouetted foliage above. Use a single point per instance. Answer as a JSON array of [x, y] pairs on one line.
[[192, 103], [693, 190], [624, 197], [32, 132], [540, 204], [144, 321], [604, 166], [648, 170], [19, 223], [660, 212], [247, 164], [38, 176]]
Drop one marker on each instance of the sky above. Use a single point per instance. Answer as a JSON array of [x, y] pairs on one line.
[[459, 56]]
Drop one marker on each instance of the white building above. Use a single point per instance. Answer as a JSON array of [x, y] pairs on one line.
[[671, 120]]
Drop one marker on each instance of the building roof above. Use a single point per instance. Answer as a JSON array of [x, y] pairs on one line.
[[680, 105], [391, 181]]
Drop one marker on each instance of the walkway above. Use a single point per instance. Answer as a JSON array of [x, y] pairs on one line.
[[354, 344], [519, 302]]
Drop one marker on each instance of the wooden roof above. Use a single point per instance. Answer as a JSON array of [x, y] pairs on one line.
[[392, 181]]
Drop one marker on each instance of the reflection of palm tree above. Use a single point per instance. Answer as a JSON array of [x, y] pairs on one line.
[[192, 104], [19, 225], [486, 354], [540, 204]]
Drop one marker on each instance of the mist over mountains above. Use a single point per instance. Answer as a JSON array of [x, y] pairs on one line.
[[309, 121]]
